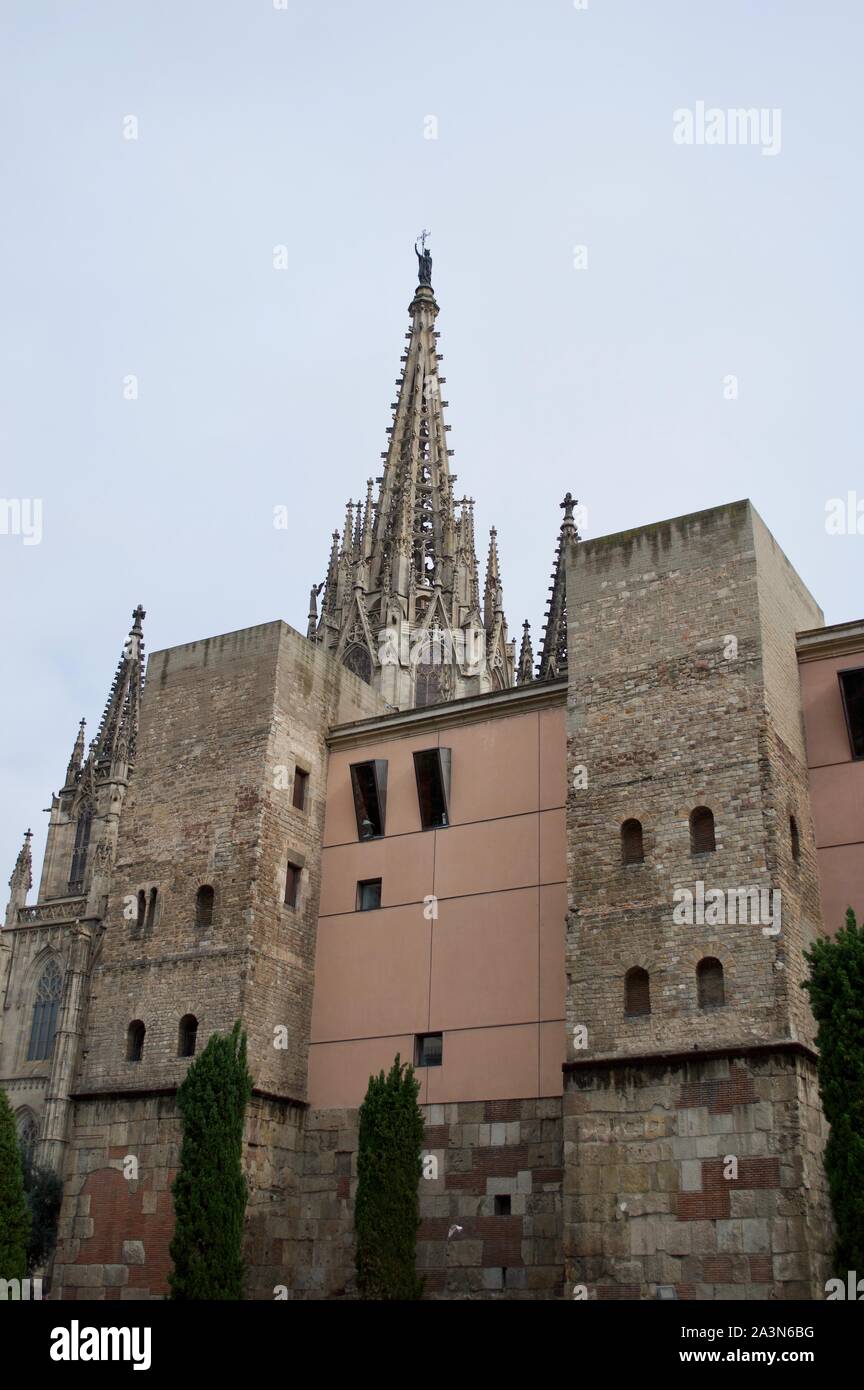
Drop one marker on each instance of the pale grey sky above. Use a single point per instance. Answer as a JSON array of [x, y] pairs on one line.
[[306, 127]]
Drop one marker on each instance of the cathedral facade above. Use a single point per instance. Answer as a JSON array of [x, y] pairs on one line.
[[542, 882]]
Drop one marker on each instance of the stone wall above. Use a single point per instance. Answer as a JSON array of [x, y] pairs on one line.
[[482, 1150], [695, 1179]]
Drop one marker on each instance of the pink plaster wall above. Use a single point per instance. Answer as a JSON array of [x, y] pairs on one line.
[[836, 788], [489, 971]]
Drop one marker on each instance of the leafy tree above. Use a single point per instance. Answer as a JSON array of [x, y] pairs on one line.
[[44, 1192], [14, 1215], [210, 1190], [386, 1212], [836, 989]]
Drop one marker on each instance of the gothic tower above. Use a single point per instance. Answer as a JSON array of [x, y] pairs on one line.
[[48, 948], [401, 604]]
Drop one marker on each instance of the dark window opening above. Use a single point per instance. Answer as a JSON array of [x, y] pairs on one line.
[[151, 909], [359, 660], [204, 899], [702, 840], [502, 1204], [709, 983], [432, 769], [79, 853], [632, 849], [292, 885], [301, 783], [142, 910], [368, 894], [637, 992], [135, 1041], [852, 690], [46, 1009], [369, 785], [187, 1036], [428, 1049], [795, 839]]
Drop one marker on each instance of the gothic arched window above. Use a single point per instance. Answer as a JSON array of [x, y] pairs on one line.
[[79, 853], [45, 1013], [427, 684], [358, 660], [28, 1133]]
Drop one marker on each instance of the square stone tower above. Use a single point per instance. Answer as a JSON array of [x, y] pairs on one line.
[[693, 1132], [211, 916]]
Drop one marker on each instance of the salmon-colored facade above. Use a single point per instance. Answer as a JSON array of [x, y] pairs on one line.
[[836, 774], [467, 941]]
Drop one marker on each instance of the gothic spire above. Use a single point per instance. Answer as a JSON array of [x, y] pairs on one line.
[[21, 881], [409, 554], [525, 672], [73, 771], [553, 656], [118, 730]]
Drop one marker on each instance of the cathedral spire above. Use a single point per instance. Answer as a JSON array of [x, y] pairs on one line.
[[553, 656], [73, 771], [408, 557], [118, 730], [21, 881]]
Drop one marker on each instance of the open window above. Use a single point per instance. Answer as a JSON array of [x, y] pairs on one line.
[[369, 784], [432, 769], [852, 690]]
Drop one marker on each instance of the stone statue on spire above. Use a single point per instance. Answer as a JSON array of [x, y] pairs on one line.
[[425, 260]]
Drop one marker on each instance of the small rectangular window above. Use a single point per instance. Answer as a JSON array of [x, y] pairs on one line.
[[502, 1204], [432, 769], [292, 885], [369, 785], [368, 894], [301, 783], [852, 689], [428, 1049]]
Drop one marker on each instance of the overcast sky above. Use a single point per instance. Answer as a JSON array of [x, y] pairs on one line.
[[517, 133]]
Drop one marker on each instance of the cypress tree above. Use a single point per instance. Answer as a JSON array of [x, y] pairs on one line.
[[836, 989], [210, 1190], [14, 1212], [389, 1165]]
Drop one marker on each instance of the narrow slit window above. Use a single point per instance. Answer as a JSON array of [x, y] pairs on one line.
[[292, 885], [135, 1041], [204, 900], [368, 894], [428, 1049], [432, 769], [301, 786], [369, 785], [795, 839], [142, 910], [187, 1036], [79, 853], [709, 983], [151, 909], [637, 993], [852, 690], [632, 848], [702, 837]]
